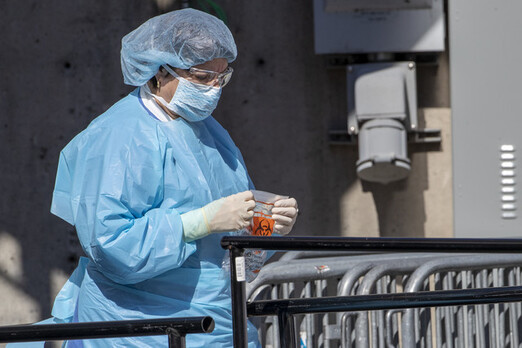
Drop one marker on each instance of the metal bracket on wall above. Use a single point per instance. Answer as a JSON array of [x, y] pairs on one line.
[[421, 59], [420, 136]]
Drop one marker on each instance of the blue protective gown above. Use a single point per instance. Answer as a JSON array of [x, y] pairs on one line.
[[123, 183]]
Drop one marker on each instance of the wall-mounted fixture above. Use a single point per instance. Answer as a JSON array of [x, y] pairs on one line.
[[382, 108], [381, 92]]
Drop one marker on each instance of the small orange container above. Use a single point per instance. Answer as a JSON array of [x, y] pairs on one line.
[[262, 222]]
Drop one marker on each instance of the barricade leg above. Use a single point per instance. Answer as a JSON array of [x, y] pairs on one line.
[[287, 332], [238, 292], [175, 339]]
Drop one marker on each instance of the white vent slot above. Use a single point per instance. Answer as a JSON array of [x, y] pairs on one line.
[[508, 182]]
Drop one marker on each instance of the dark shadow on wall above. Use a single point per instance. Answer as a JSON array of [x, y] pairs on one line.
[[400, 205], [61, 69]]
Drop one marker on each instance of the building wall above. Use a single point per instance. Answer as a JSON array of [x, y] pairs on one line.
[[60, 69]]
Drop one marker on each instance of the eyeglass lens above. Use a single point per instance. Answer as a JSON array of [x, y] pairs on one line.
[[210, 77]]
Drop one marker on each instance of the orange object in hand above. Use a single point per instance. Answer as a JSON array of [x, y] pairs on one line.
[[263, 225]]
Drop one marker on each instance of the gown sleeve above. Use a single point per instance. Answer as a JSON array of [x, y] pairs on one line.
[[109, 185]]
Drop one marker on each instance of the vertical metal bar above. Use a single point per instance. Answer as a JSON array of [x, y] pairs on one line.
[[415, 330], [467, 332], [291, 289], [285, 291], [310, 330], [438, 315], [452, 311], [379, 315], [447, 314], [495, 313], [460, 309], [490, 311], [326, 319], [238, 295], [392, 326], [320, 317], [498, 276], [517, 308], [473, 315], [275, 324], [287, 333], [426, 336], [513, 316], [518, 281], [175, 339], [479, 315], [490, 339]]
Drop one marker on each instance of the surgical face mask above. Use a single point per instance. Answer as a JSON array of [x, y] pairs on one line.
[[192, 101]]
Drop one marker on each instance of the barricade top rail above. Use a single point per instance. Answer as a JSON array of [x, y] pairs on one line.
[[474, 245], [325, 267], [456, 264], [305, 254]]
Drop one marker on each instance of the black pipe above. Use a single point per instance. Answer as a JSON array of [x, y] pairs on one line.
[[176, 339], [475, 245], [238, 297], [287, 330], [385, 301], [106, 329]]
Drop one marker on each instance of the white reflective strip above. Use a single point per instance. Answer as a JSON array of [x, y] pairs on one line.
[[508, 164], [240, 269], [507, 156]]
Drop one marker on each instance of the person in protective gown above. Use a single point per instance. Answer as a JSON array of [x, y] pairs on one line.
[[153, 184]]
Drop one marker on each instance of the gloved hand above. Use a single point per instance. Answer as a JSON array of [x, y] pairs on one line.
[[284, 214], [230, 213]]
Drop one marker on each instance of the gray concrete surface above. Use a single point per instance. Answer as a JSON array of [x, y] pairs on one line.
[[60, 69]]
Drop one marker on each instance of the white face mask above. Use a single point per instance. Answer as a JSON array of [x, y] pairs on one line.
[[192, 101]]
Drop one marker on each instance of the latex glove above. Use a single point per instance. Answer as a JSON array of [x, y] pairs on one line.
[[230, 213], [284, 214]]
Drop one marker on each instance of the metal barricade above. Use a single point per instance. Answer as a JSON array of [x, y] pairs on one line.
[[495, 325], [286, 310], [318, 277], [369, 328]]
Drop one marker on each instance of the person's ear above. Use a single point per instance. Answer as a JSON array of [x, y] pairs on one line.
[[162, 73]]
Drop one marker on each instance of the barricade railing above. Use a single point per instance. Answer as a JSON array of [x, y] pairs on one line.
[[472, 326], [236, 245], [175, 328], [286, 309], [479, 326], [318, 277]]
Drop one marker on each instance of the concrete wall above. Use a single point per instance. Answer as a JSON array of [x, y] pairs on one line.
[[60, 69]]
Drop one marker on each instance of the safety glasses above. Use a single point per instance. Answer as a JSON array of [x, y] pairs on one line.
[[209, 77]]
